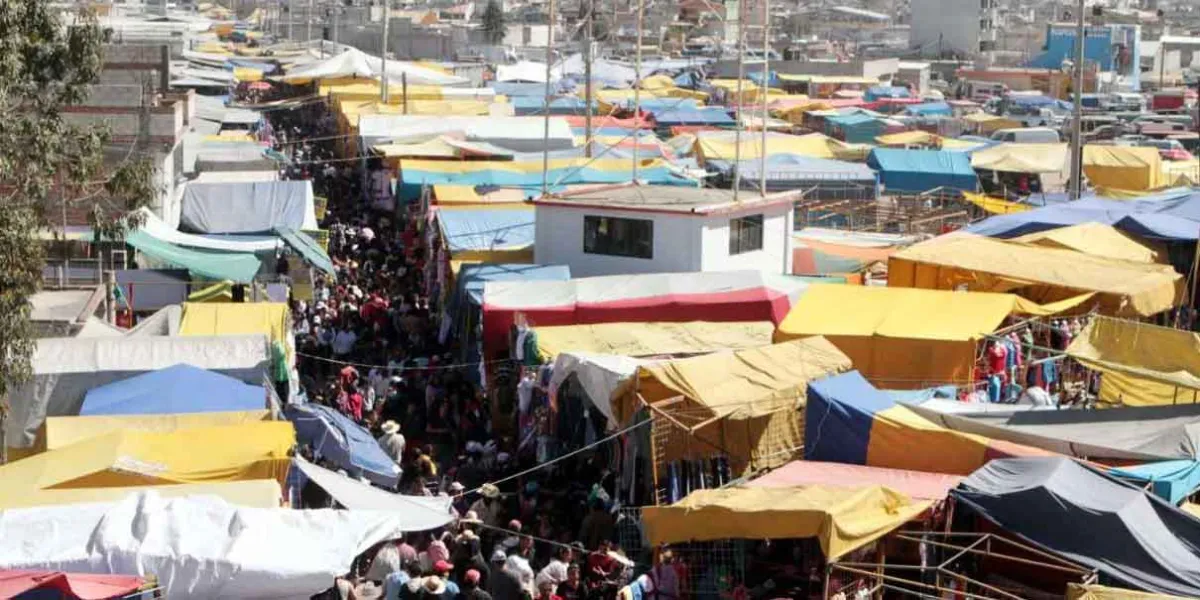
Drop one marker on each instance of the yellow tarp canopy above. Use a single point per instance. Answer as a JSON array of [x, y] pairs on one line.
[[652, 339], [987, 123], [1141, 364], [256, 450], [746, 403], [903, 337], [1182, 173], [270, 318], [909, 138], [254, 493], [995, 206], [1123, 167], [1022, 158], [247, 74], [1096, 239], [1043, 275], [1079, 591], [842, 519], [1191, 508], [447, 195], [720, 145], [657, 82], [59, 432]]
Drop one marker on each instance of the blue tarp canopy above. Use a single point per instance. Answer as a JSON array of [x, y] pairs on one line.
[[1172, 215], [1039, 102], [486, 230], [655, 105], [516, 89], [178, 389], [916, 171], [536, 105], [709, 115], [471, 278], [336, 438], [839, 416], [1171, 480], [929, 109], [885, 91], [412, 180], [794, 171], [858, 128]]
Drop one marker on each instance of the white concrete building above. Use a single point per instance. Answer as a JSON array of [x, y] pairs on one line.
[[664, 229], [966, 27]]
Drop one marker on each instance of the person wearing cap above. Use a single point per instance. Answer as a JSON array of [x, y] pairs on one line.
[[488, 507], [443, 568], [471, 587], [392, 441], [504, 584], [403, 584]]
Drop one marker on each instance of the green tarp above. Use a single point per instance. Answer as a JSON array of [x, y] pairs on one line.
[[239, 267], [304, 245]]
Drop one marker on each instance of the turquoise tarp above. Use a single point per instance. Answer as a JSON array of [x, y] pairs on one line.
[[917, 171], [307, 248], [1171, 480], [238, 267]]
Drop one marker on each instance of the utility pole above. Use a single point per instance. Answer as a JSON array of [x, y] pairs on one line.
[[587, 74], [1077, 120], [766, 82], [637, 90], [309, 18], [546, 107], [383, 78], [291, 11], [741, 74]]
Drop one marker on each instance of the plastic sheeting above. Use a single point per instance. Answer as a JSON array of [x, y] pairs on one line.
[[1038, 274], [355, 63], [653, 339], [804, 473], [1129, 536], [1142, 364], [240, 267], [64, 369], [847, 420], [901, 337], [193, 545], [479, 234], [472, 278], [1128, 434], [177, 389], [248, 207], [341, 441], [252, 450], [601, 376], [425, 512], [841, 519], [656, 297], [795, 171], [917, 171], [1098, 240], [1022, 158]]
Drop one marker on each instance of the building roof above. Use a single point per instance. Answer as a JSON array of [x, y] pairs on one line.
[[664, 198]]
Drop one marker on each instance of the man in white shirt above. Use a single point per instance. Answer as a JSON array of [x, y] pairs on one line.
[[392, 441]]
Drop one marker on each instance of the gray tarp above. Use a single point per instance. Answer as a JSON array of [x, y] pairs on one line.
[[64, 369], [1130, 536], [248, 207], [1133, 433]]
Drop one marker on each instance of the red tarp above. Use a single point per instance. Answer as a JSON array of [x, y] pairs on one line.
[[655, 297], [84, 586], [914, 484]]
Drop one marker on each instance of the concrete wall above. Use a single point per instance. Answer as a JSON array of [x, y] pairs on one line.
[[559, 240], [952, 25], [776, 253]]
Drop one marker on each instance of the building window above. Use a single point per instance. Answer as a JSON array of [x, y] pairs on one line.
[[745, 234], [618, 237]]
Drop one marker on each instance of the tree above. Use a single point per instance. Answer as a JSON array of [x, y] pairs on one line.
[[494, 22], [47, 64]]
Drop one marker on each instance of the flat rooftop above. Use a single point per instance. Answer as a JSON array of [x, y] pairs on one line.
[[665, 199]]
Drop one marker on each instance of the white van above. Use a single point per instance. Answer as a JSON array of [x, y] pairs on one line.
[[1029, 135]]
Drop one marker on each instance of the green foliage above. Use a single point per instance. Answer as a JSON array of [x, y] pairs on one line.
[[495, 22], [47, 64]]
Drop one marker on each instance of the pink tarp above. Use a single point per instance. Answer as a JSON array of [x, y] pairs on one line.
[[915, 484], [656, 297], [84, 586]]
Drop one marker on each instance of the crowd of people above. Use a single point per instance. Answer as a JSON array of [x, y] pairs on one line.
[[368, 345]]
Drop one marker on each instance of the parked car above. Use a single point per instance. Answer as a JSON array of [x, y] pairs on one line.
[[1169, 149], [1029, 135]]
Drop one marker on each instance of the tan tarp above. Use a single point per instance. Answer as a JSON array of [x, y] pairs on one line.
[[1096, 239], [1042, 275], [1142, 364], [1022, 158], [1078, 591], [1123, 167], [255, 493], [842, 519], [746, 405], [653, 339], [58, 432]]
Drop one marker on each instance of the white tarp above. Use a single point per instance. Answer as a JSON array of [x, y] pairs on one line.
[[248, 207], [197, 546], [236, 176], [527, 71], [600, 376], [64, 369], [155, 227], [422, 512], [356, 63], [517, 134]]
